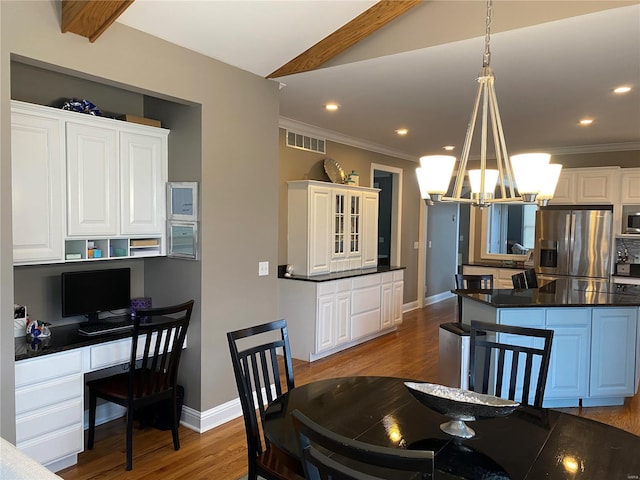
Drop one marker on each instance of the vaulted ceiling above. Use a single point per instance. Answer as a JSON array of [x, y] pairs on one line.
[[413, 64]]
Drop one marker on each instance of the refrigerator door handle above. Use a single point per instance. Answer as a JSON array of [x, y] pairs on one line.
[[570, 232]]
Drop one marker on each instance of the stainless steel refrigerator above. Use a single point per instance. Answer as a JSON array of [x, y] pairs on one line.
[[574, 241]]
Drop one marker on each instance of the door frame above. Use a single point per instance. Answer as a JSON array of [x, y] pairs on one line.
[[396, 209]]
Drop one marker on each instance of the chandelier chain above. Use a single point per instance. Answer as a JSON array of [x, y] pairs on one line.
[[487, 35]]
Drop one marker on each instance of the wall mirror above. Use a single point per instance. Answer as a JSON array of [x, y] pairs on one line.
[[183, 240], [182, 201]]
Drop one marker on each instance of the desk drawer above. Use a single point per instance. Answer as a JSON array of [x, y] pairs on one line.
[[50, 420], [365, 299], [34, 397], [367, 280], [56, 365], [49, 448]]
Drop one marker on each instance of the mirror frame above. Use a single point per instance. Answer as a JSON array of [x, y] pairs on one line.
[[482, 215]]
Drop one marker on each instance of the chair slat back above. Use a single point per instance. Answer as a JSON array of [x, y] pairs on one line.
[[162, 332], [531, 278], [257, 371], [519, 280], [494, 355], [357, 454]]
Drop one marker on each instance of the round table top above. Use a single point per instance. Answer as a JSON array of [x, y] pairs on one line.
[[530, 443]]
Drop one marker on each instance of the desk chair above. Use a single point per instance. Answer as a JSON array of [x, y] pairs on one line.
[[471, 282], [488, 360], [152, 373], [257, 371], [325, 463]]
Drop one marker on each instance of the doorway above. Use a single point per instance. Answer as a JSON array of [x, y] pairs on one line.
[[389, 181]]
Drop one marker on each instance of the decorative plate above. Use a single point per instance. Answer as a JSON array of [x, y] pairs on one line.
[[334, 171]]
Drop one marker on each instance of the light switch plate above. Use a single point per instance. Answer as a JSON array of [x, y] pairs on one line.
[[263, 269]]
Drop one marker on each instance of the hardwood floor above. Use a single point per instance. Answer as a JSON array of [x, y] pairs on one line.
[[220, 454]]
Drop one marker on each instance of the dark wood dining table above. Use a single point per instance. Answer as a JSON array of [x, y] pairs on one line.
[[530, 443]]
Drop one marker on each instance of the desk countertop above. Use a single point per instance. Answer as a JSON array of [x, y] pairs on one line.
[[62, 338], [558, 293], [327, 277]]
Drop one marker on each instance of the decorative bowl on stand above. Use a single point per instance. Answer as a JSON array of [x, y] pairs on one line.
[[460, 405]]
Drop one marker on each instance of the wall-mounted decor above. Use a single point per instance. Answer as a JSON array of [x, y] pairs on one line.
[[182, 240], [182, 201]]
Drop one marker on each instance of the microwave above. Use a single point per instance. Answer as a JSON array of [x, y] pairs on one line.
[[632, 222]]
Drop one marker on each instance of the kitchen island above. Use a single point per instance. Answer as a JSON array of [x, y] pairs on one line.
[[595, 357]]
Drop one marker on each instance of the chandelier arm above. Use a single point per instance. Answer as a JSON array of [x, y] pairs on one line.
[[500, 160], [503, 148], [464, 157], [483, 137]]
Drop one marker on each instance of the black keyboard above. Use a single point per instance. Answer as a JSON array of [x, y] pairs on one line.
[[105, 327]]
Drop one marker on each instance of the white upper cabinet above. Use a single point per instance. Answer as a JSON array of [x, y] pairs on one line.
[[331, 227], [598, 185], [630, 191], [143, 163], [85, 187], [92, 180], [37, 178]]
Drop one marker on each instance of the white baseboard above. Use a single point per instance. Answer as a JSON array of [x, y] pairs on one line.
[[438, 298]]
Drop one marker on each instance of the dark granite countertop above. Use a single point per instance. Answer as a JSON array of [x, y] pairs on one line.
[[62, 338], [498, 264], [327, 277], [561, 292]]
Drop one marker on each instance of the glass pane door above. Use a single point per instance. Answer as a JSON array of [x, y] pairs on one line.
[[339, 226], [354, 224]]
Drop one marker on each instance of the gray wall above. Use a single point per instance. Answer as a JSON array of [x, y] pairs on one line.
[[298, 164], [238, 161], [442, 261]]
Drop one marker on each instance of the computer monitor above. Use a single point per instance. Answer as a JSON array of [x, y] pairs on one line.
[[94, 291]]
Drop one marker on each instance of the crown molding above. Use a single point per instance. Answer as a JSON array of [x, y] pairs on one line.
[[314, 131]]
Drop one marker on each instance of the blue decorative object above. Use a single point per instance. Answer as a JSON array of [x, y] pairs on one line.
[[82, 106]]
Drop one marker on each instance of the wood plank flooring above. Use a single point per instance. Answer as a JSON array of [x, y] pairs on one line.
[[220, 454]]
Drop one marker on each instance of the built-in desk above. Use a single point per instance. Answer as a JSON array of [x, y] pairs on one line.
[[50, 390]]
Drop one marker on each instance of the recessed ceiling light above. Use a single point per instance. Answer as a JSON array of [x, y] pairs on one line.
[[332, 107], [622, 89], [402, 131], [586, 121], [448, 148]]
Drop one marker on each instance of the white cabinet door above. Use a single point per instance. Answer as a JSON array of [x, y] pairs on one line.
[[346, 253], [143, 160], [319, 230], [343, 317], [369, 229], [92, 180], [37, 178], [324, 329], [398, 300], [565, 192], [613, 352], [597, 186], [386, 317], [630, 191]]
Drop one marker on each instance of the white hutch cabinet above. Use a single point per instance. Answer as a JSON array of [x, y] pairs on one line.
[[331, 227], [113, 173]]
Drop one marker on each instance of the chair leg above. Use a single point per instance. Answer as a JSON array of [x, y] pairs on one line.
[[129, 438], [174, 423], [92, 419]]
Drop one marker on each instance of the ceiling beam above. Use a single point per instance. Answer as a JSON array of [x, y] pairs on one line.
[[90, 18], [349, 34]]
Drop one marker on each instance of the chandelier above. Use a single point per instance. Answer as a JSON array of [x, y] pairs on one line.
[[532, 174]]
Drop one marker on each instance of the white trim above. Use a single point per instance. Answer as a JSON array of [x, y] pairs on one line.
[[285, 122], [396, 208], [312, 130], [438, 298]]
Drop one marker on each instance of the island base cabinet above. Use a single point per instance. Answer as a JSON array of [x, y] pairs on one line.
[[613, 355]]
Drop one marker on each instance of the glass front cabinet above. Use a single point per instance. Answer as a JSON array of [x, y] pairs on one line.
[[352, 218]]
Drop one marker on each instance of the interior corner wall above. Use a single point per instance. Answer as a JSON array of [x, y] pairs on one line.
[[239, 186], [7, 370], [296, 164]]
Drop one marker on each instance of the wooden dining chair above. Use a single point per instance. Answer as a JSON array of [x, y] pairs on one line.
[[531, 278], [157, 339], [255, 353], [342, 458], [471, 282], [512, 359], [519, 280]]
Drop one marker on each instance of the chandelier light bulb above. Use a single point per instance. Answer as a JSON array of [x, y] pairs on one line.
[[439, 169], [529, 170]]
